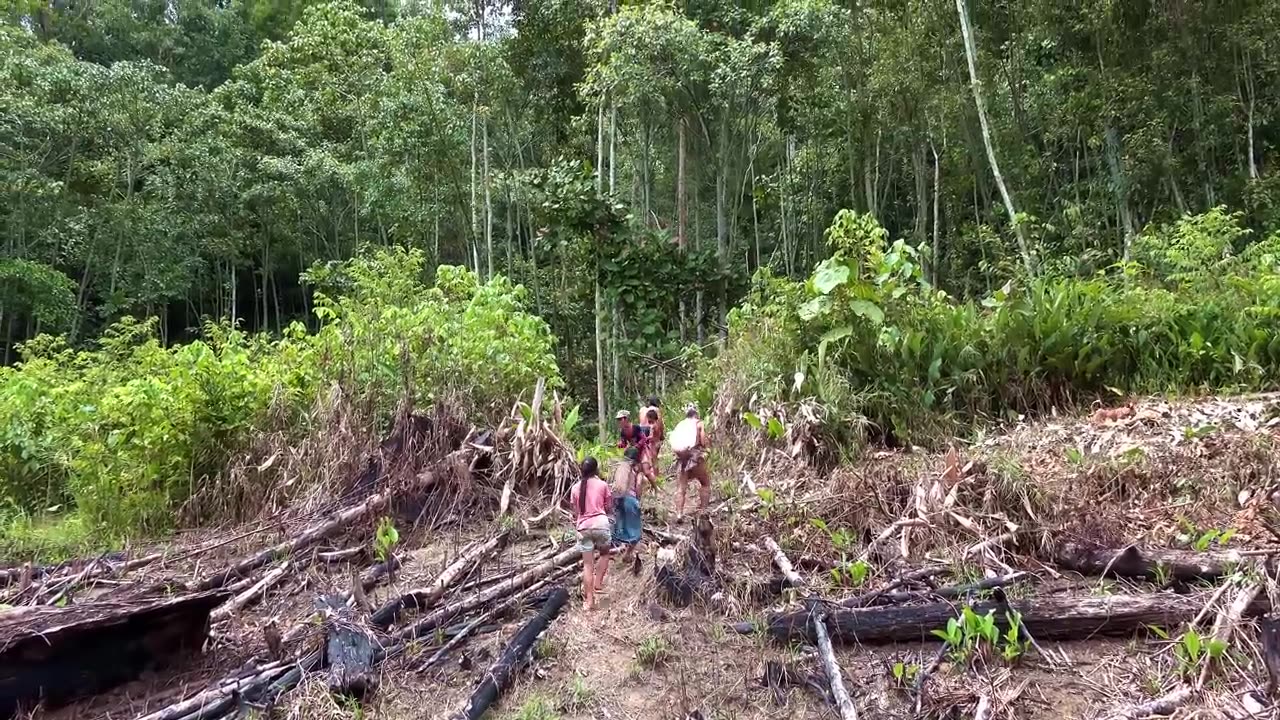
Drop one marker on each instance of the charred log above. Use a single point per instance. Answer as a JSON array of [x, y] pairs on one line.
[[55, 655], [1183, 566], [513, 658], [1061, 618]]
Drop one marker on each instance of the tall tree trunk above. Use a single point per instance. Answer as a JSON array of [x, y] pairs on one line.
[[475, 206], [613, 147], [1250, 104], [600, 148], [682, 216], [682, 205], [603, 409], [920, 169], [488, 201], [971, 52], [1120, 187], [935, 257]]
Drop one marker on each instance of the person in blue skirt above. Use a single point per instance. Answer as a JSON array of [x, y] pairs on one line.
[[627, 479]]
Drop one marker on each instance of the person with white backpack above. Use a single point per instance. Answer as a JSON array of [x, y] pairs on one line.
[[689, 443]]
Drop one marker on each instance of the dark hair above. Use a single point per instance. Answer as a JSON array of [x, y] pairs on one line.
[[632, 454], [651, 415], [590, 466], [653, 401]]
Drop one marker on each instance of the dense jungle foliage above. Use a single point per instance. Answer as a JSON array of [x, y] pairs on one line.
[[901, 215]]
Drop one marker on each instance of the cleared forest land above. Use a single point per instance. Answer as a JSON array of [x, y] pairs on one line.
[[1130, 551]]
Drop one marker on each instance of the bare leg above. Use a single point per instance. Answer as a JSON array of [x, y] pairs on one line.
[[704, 486], [588, 579], [602, 569], [682, 488]]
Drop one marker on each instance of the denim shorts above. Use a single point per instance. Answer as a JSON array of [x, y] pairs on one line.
[[595, 539]]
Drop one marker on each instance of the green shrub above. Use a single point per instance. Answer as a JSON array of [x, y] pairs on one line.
[[123, 433], [873, 341]]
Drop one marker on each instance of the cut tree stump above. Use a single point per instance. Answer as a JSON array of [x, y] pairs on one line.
[[1269, 629], [1155, 565], [682, 576], [513, 658], [1057, 618], [349, 649], [56, 655]]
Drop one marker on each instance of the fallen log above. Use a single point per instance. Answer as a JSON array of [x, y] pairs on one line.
[[208, 701], [832, 668], [783, 563], [513, 658], [1155, 565], [871, 597], [249, 596], [369, 579], [558, 565], [341, 556], [303, 540], [1061, 618], [425, 598], [55, 655], [486, 617], [950, 592]]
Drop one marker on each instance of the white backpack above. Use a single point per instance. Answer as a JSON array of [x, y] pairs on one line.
[[685, 435]]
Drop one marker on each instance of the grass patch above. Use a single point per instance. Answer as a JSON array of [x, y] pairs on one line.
[[49, 539], [538, 707], [547, 647], [653, 652], [580, 695]]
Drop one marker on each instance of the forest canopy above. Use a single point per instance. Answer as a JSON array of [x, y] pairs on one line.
[[996, 206]]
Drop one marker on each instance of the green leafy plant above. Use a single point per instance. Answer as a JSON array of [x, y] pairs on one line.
[[904, 674], [385, 539], [1194, 650]]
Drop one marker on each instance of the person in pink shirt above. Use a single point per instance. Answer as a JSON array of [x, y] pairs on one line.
[[592, 504]]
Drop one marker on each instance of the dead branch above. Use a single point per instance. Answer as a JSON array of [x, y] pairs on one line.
[[847, 709], [1226, 623], [466, 605], [425, 598], [783, 563], [251, 595]]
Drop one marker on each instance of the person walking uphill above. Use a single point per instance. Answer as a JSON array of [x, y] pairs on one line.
[[591, 502], [639, 436], [690, 443], [627, 480]]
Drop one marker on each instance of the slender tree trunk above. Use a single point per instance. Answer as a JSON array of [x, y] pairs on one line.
[[682, 217], [1250, 106], [488, 201], [971, 54], [935, 259], [920, 168], [613, 147], [600, 148], [1120, 187], [600, 399], [475, 206], [682, 206]]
